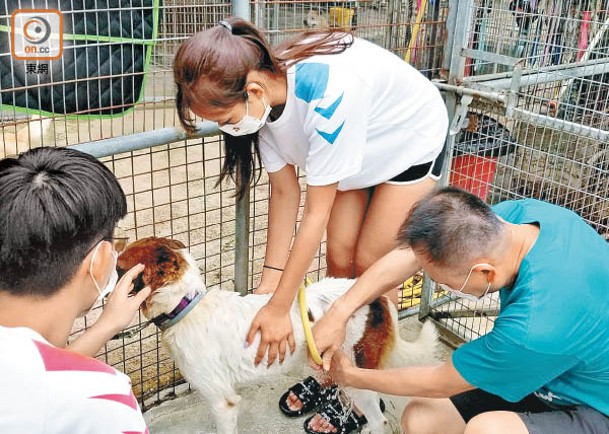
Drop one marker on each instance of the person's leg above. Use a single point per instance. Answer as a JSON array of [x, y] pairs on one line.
[[497, 422], [389, 207], [567, 420], [343, 231], [575, 419], [431, 416]]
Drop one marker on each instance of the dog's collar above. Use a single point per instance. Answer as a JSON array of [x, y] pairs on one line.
[[186, 304]]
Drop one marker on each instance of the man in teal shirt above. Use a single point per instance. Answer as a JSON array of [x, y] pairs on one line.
[[544, 367]]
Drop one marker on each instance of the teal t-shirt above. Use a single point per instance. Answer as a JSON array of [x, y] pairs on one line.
[[551, 337]]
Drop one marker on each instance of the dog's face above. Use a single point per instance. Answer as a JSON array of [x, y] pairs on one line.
[[315, 20], [163, 261]]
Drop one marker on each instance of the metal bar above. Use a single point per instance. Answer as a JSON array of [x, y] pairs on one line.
[[462, 25], [467, 313], [545, 75], [447, 336], [489, 57], [500, 97], [561, 125], [426, 297], [408, 312], [457, 24], [242, 232], [450, 33], [516, 83], [149, 139], [241, 8]]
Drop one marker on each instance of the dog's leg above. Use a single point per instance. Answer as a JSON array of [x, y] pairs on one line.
[[367, 402], [225, 408]]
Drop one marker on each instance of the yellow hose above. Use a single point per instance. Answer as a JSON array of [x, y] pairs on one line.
[[306, 325], [415, 30]]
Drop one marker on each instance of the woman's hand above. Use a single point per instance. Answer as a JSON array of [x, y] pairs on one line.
[[265, 289], [276, 334], [329, 335], [341, 368]]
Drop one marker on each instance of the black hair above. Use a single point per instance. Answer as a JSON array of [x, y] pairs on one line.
[[450, 226], [55, 204], [242, 162]]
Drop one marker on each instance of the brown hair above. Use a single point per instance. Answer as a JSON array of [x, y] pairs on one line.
[[211, 68]]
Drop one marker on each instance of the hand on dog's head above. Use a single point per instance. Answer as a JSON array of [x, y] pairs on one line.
[[163, 263]]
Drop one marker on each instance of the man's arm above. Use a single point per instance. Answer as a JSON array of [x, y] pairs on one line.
[[440, 381], [385, 274]]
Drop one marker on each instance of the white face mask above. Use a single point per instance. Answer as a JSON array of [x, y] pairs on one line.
[[113, 277], [248, 124], [464, 295]]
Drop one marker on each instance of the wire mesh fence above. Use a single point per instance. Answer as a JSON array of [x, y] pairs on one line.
[[120, 55], [392, 24], [547, 137], [542, 130]]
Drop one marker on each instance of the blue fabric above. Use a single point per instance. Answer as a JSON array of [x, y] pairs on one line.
[[311, 83], [551, 337], [328, 112], [332, 136], [311, 80]]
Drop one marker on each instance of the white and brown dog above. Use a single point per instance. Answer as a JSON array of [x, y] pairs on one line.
[[205, 330]]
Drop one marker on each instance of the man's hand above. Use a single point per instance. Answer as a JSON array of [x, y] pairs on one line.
[[276, 334], [329, 335], [341, 368]]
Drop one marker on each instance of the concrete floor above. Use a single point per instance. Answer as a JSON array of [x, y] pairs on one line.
[[259, 413]]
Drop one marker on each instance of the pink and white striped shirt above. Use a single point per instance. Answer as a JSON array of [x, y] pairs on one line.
[[45, 389]]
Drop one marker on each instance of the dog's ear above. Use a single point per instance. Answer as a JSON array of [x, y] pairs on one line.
[[164, 265], [138, 282], [172, 244]]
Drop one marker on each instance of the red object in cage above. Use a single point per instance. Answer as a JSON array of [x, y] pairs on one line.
[[473, 173]]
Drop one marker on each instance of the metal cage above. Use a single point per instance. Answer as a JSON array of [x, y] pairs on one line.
[[529, 82], [170, 179]]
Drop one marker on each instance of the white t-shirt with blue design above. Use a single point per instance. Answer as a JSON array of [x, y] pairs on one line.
[[551, 337], [358, 118]]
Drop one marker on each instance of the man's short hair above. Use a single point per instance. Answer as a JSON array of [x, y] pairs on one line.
[[450, 227], [55, 205]]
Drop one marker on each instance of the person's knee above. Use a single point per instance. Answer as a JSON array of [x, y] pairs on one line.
[[479, 424], [364, 258], [498, 422], [431, 416], [339, 259], [418, 417]]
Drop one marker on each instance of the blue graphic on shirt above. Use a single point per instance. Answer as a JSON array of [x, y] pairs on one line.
[[329, 111], [331, 137], [311, 80], [311, 83]]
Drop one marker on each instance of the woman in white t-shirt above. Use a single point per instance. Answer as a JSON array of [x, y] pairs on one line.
[[366, 128]]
